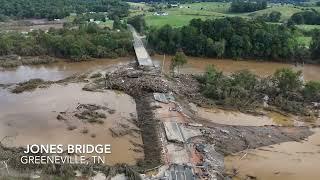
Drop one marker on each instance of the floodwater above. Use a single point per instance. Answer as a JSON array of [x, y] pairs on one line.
[[30, 118], [241, 119], [198, 65], [56, 71], [285, 161], [62, 69]]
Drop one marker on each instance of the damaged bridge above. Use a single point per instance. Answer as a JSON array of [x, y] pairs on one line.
[[142, 55]]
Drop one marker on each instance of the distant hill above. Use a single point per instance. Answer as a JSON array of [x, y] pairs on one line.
[[190, 1]]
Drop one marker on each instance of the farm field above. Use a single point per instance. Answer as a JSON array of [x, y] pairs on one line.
[[180, 16]]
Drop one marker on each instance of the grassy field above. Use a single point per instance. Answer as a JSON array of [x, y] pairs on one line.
[[308, 27], [304, 40], [180, 16], [108, 23], [286, 11]]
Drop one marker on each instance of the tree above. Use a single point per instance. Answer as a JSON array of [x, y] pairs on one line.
[[59, 9], [306, 17], [311, 91], [274, 16], [178, 61], [286, 80], [247, 6], [315, 45], [229, 38], [138, 23]]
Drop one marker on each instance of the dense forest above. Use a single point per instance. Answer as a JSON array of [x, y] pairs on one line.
[[244, 90], [306, 17], [57, 9], [239, 6], [232, 38], [87, 41]]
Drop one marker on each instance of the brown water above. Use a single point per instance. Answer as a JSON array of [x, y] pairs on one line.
[[198, 65], [241, 119], [30, 118], [56, 71], [285, 161]]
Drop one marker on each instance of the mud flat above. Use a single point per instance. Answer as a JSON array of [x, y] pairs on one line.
[[31, 118], [284, 161]]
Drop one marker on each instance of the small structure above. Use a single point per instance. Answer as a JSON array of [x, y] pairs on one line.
[[161, 14]]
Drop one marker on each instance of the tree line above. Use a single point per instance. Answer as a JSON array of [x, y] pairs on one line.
[[85, 42], [306, 17], [59, 9], [232, 38], [238, 6], [274, 16], [245, 91]]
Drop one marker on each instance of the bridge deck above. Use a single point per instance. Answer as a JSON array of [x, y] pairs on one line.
[[141, 52]]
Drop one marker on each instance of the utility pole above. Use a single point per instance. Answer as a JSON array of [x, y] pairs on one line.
[[164, 58]]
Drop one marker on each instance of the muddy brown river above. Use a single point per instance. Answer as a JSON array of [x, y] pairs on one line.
[[56, 71], [285, 161], [64, 69], [241, 119], [31, 118], [198, 65]]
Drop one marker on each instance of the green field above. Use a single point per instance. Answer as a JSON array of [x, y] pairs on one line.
[[108, 23], [304, 40], [286, 11], [180, 16], [308, 27]]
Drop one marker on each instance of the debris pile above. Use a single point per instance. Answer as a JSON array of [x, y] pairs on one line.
[[232, 139], [28, 85], [33, 84], [91, 113], [121, 129]]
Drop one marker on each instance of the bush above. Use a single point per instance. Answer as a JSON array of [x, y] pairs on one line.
[[311, 91], [244, 90]]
